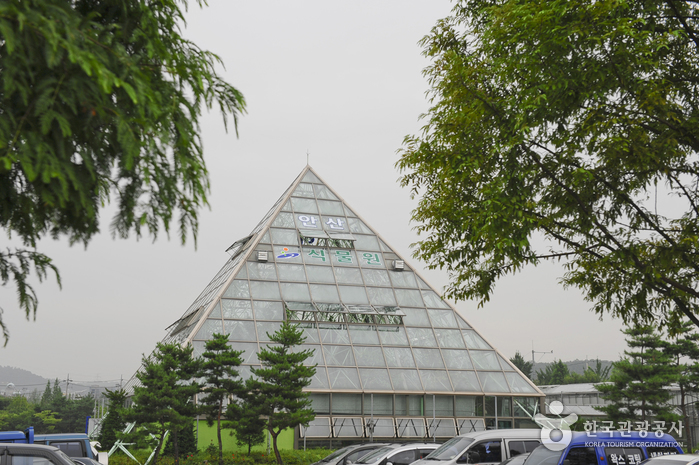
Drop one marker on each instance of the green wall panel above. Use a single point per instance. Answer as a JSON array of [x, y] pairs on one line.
[[207, 436]]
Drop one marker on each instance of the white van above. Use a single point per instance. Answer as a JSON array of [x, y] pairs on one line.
[[484, 447]]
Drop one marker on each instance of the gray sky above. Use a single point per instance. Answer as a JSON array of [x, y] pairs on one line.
[[340, 80]]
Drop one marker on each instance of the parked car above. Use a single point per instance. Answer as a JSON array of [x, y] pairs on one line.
[[683, 459], [32, 454], [350, 454], [484, 447], [397, 454], [73, 444], [84, 461], [606, 448], [514, 460]]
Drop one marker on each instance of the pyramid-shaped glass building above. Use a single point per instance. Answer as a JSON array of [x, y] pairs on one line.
[[393, 359]]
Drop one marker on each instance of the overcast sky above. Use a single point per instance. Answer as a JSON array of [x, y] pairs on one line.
[[338, 80]]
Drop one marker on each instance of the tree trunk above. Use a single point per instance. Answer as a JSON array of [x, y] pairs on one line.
[[274, 444], [175, 444], [218, 432], [157, 449]]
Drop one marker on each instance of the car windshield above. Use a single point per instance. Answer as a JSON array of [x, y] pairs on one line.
[[375, 456], [543, 456], [336, 454], [450, 449]]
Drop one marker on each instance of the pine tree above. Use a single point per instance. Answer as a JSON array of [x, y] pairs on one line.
[[249, 424], [114, 421], [524, 366], [554, 373], [163, 401], [638, 385], [684, 351], [277, 390], [222, 381]]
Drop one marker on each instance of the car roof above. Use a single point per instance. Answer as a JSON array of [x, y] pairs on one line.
[[504, 433], [11, 445], [680, 458]]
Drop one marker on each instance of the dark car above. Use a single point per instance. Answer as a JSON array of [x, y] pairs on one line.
[[32, 454], [517, 459], [350, 454], [85, 461]]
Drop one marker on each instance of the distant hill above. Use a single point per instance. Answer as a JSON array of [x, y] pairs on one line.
[[22, 379]]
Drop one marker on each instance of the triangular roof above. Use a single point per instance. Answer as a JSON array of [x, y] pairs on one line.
[[375, 327]]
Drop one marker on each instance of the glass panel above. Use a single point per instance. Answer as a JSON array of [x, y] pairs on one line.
[[465, 381], [264, 327], [320, 403], [310, 332], [264, 271], [348, 427], [330, 333], [484, 360], [441, 427], [468, 406], [415, 317], [525, 406], [303, 190], [284, 236], [403, 278], [322, 192], [369, 356], [239, 289], [398, 357], [240, 330], [357, 226], [393, 335], [370, 259], [264, 290], [268, 310], [421, 284], [237, 309], [344, 378], [284, 220], [310, 177], [338, 356], [317, 356], [409, 298], [443, 406], [317, 428], [376, 278], [344, 258], [216, 312], [474, 341], [493, 382], [316, 256], [442, 318], [208, 328], [265, 239], [428, 358], [353, 295], [291, 272], [198, 348], [347, 404], [304, 205], [293, 291], [286, 207], [328, 207], [450, 338], [319, 274], [324, 293], [433, 300], [378, 404], [249, 349], [505, 364], [348, 212], [411, 427], [405, 380], [462, 322], [364, 242], [410, 405], [364, 334], [308, 222], [435, 380], [335, 224], [287, 254], [457, 359], [421, 337], [381, 296], [243, 273], [375, 378], [348, 276], [320, 379], [518, 383]]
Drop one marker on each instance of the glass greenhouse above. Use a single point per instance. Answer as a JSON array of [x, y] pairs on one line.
[[394, 361]]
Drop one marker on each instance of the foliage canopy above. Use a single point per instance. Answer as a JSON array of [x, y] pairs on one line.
[[569, 131], [100, 101]]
